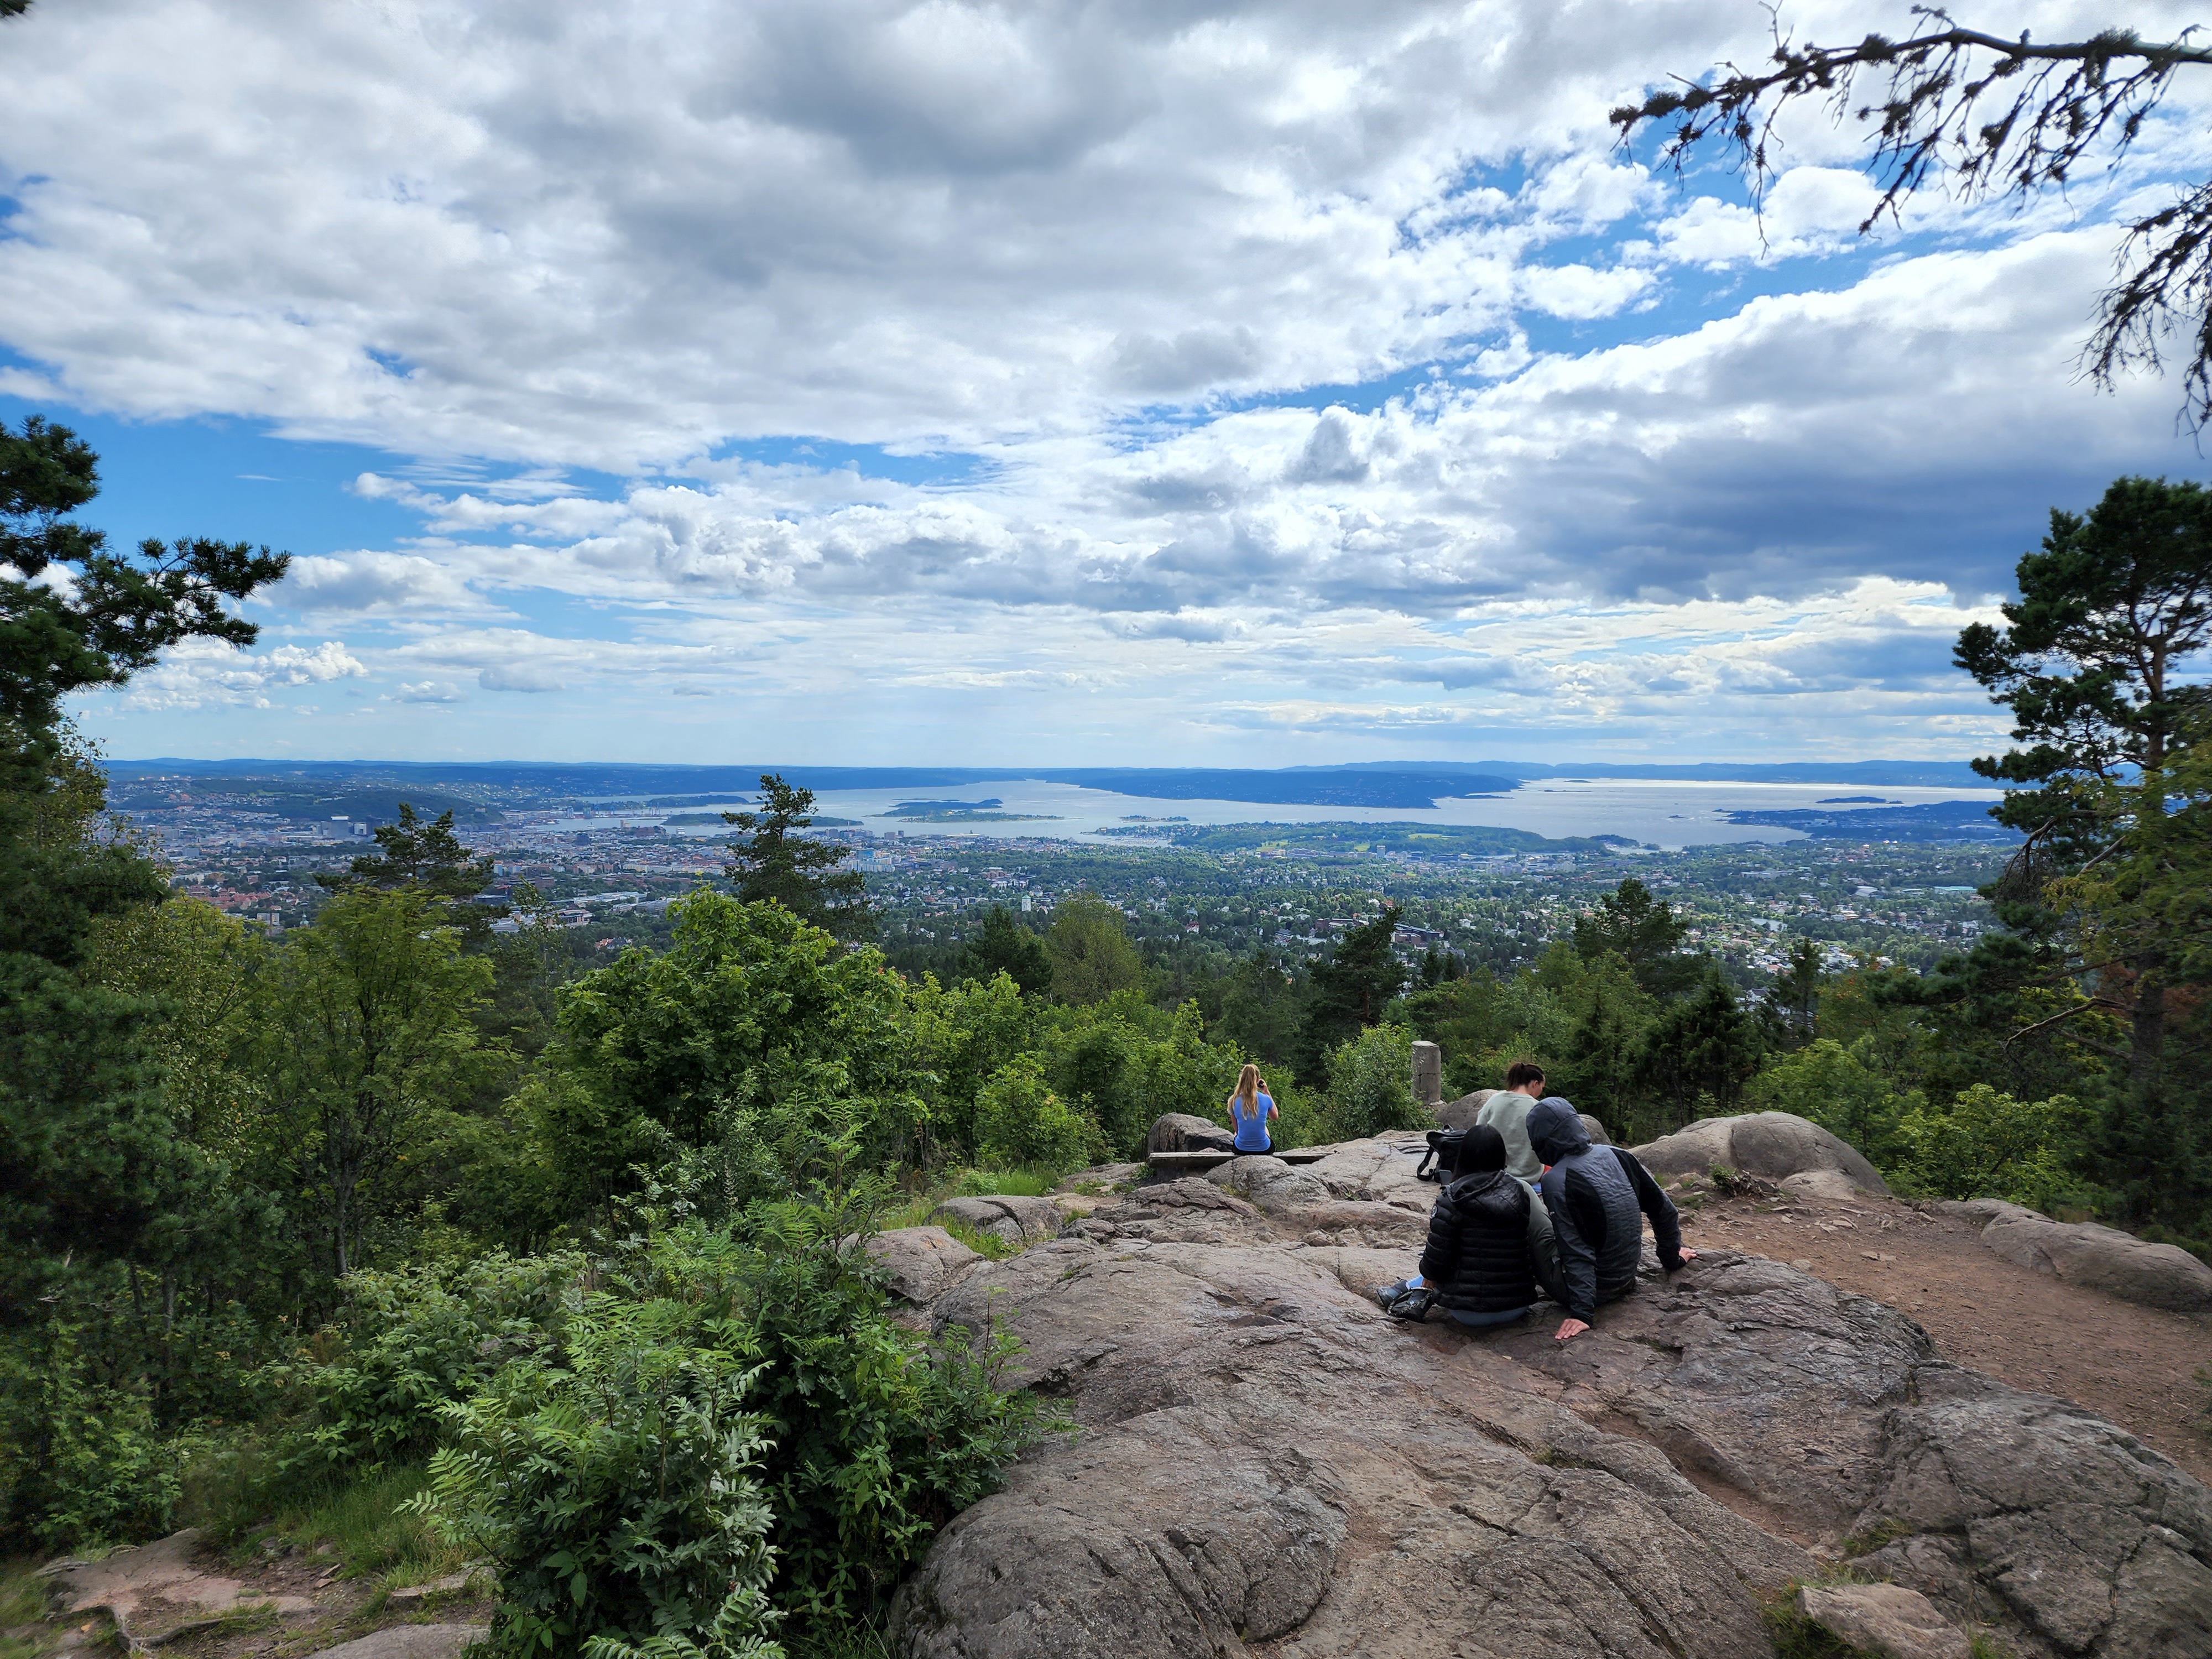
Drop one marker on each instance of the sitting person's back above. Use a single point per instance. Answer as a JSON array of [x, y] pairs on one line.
[[1249, 1108], [1507, 1111], [1486, 1237], [1598, 1196]]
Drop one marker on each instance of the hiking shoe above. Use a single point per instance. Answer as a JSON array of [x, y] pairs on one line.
[[1413, 1306]]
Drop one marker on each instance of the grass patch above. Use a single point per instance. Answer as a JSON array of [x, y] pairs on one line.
[[24, 1601], [919, 1209], [1029, 1182], [830, 1639], [1887, 1531], [360, 1528], [1797, 1636]]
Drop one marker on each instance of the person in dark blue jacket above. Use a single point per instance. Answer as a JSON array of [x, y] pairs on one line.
[[1597, 1196]]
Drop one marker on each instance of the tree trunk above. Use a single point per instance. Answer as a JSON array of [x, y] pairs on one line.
[[2147, 1033]]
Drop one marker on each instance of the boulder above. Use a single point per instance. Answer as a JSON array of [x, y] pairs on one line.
[[1597, 1134], [1179, 1132], [924, 1262], [1775, 1144], [1380, 1171], [1983, 1211], [1264, 1458], [1462, 1113], [1887, 1620], [410, 1642], [1831, 1184], [2104, 1259], [1268, 1183], [1017, 1220]]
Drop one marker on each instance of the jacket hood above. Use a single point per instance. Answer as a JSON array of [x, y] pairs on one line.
[[1555, 1132]]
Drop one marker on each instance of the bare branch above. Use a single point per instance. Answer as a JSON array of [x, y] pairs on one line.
[[2093, 1004], [1995, 118]]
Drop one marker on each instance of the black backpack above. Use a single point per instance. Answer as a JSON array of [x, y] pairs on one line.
[[1441, 1156]]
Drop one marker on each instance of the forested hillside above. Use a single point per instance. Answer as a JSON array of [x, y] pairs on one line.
[[558, 1269]]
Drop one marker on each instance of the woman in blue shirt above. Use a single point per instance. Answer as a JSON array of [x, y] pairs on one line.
[[1249, 1108]]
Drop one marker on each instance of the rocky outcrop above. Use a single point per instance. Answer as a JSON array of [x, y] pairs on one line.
[[410, 1642], [1268, 1183], [1179, 1132], [922, 1262], [1016, 1220], [2104, 1259], [2096, 1258], [1265, 1457], [162, 1591], [1776, 1144], [1886, 1621]]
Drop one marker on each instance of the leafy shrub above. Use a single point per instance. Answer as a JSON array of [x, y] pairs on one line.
[[1987, 1145], [1370, 1084], [854, 1438], [1126, 1063], [371, 1386], [80, 1462], [616, 1488], [1019, 1120], [1843, 1090], [879, 1437]]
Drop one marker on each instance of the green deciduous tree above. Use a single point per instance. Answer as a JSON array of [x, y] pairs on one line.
[[753, 1033], [800, 873], [1092, 955], [372, 1042], [1020, 1122]]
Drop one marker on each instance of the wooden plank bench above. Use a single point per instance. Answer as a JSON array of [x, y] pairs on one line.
[[1192, 1163]]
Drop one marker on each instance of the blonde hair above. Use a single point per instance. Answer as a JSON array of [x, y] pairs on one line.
[[1248, 1086]]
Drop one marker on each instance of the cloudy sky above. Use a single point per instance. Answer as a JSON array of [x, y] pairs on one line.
[[1162, 381]]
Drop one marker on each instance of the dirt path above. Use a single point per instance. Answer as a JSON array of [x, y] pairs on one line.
[[2132, 1366]]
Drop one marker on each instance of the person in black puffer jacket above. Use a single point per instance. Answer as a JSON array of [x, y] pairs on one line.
[[1595, 1195], [1490, 1239]]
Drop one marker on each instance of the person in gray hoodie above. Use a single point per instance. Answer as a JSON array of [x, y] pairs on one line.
[[1507, 1112], [1598, 1196]]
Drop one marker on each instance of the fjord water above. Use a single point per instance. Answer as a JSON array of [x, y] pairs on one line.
[[1667, 813]]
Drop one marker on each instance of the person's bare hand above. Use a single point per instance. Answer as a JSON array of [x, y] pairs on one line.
[[1569, 1329], [1686, 1254]]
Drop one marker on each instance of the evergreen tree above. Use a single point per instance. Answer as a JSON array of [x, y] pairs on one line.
[[92, 1166], [1645, 932], [1350, 991], [1793, 1001], [429, 857], [1263, 1007], [2095, 665], [797, 872], [1696, 1058], [1004, 946]]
